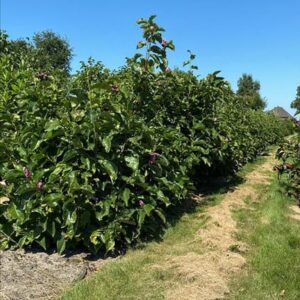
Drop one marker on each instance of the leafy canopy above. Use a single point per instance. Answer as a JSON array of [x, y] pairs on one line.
[[249, 92], [296, 103], [46, 51], [52, 51]]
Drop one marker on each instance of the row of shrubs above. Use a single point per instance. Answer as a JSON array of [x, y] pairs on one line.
[[289, 154], [94, 160]]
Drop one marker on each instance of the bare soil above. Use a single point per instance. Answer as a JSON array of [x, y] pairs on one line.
[[38, 275]]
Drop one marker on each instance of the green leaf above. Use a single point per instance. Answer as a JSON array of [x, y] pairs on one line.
[[53, 198], [94, 237], [148, 209], [52, 125], [152, 17], [12, 175], [156, 49], [106, 142], [109, 245], [161, 215], [104, 211], [132, 162], [22, 152], [141, 217], [39, 142], [141, 21], [51, 228], [163, 161], [141, 44], [54, 175], [206, 161], [72, 217], [22, 241], [161, 196], [126, 195], [13, 213], [42, 243], [61, 245], [70, 154], [110, 168]]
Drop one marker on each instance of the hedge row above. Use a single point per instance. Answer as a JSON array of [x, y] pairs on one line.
[[95, 159]]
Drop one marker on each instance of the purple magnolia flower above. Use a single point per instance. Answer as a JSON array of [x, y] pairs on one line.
[[42, 76], [114, 88], [164, 43], [26, 172], [40, 185], [153, 157], [141, 202]]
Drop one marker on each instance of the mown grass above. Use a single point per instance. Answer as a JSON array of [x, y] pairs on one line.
[[133, 276], [273, 269]]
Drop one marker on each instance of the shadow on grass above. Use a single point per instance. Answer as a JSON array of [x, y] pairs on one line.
[[207, 194]]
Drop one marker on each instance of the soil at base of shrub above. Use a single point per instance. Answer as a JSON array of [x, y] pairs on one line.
[[38, 275]]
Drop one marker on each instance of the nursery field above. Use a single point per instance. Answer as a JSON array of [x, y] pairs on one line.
[[106, 162]]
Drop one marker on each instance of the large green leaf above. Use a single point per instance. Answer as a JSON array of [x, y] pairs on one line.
[[110, 168], [126, 195], [61, 245], [132, 162]]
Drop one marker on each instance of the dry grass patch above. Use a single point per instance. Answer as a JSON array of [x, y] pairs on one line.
[[295, 212]]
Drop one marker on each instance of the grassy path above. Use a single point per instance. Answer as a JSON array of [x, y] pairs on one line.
[[232, 246], [271, 229]]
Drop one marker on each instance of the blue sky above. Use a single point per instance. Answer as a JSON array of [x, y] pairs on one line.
[[260, 37]]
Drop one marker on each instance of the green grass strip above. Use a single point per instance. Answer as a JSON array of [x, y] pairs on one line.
[[273, 270]]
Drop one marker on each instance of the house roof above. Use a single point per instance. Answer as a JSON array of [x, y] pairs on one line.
[[281, 112]]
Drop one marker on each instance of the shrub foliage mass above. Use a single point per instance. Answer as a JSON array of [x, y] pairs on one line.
[[94, 160]]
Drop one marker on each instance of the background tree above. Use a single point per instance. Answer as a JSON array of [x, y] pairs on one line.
[[249, 92], [296, 103], [46, 51], [20, 46], [52, 51]]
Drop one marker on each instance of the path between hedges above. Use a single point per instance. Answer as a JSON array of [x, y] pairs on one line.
[[206, 276]]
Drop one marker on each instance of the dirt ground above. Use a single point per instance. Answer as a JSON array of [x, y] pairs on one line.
[[37, 275]]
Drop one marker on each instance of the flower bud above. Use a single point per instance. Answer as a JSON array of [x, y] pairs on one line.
[[40, 185], [26, 172], [153, 157], [42, 76], [164, 43], [114, 88]]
